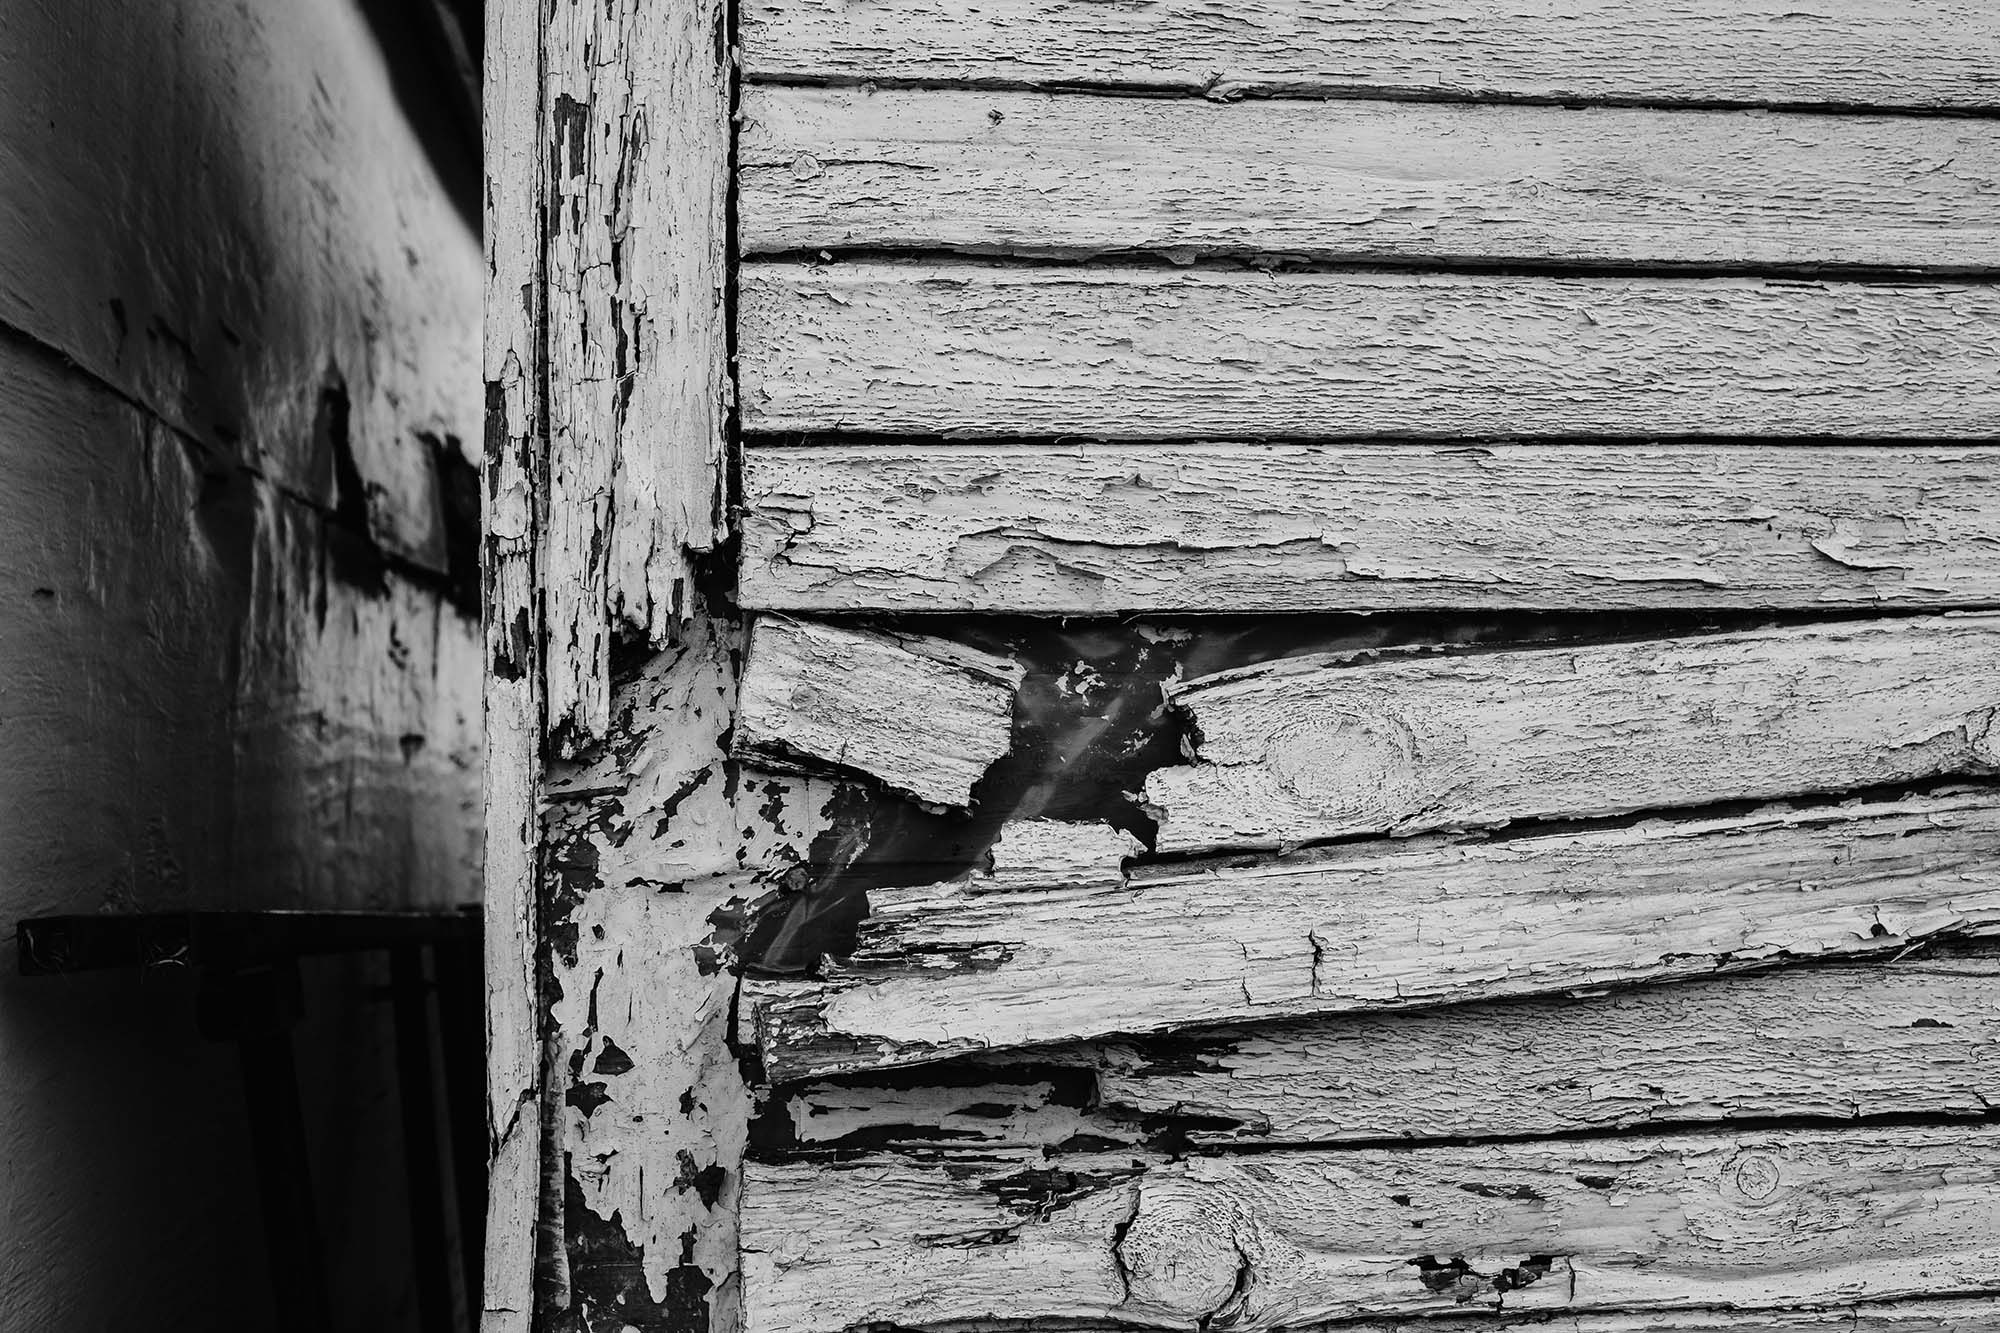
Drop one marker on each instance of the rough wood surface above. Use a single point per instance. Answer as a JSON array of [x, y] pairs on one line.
[[648, 842], [1376, 925], [920, 714], [1051, 853], [1286, 1239], [1930, 53], [1917, 1036], [511, 481], [1327, 747], [635, 110], [1086, 530], [1036, 174], [967, 349]]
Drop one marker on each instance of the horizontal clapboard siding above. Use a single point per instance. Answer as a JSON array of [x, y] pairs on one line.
[[1916, 1036], [1315, 748], [1290, 1239], [1379, 925], [1029, 174], [1109, 528], [1894, 53], [968, 349]]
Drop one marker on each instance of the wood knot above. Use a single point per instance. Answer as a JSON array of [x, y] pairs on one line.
[[1361, 768], [1179, 1254], [1756, 1176]]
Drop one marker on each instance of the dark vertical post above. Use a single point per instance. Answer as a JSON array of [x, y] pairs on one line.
[[423, 1172]]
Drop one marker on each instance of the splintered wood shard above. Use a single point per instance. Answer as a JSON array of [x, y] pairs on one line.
[[1290, 1239], [1321, 748], [1146, 353], [1847, 53], [1036, 174], [922, 715], [1095, 529], [1053, 854], [1379, 925]]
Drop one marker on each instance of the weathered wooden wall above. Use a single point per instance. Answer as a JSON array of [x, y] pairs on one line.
[[1374, 620], [239, 664]]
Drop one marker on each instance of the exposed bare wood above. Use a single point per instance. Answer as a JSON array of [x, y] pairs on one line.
[[966, 349], [1835, 1041], [1287, 1239], [1107, 528], [1049, 853], [635, 109], [1821, 1041], [511, 477], [1930, 53], [1381, 925], [1035, 174], [921, 714], [1326, 747]]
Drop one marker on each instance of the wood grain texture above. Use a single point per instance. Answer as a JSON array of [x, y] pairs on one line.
[[635, 109], [511, 477], [1288, 1239], [1116, 353], [1036, 174], [1379, 925], [1917, 1036], [1089, 530], [921, 714], [1930, 53], [1914, 1037], [1326, 747]]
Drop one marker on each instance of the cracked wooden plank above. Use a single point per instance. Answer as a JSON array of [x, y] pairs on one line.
[[1833, 1042], [1146, 353], [1039, 174], [1287, 1239], [1887, 53], [1327, 747], [635, 112], [1915, 1037], [1097, 529], [1379, 925], [511, 481], [920, 714]]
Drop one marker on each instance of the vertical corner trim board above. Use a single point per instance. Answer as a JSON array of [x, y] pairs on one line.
[[1287, 1239], [1041, 174], [968, 349], [635, 109], [1098, 529], [1317, 747], [1884, 53], [922, 715], [943, 971]]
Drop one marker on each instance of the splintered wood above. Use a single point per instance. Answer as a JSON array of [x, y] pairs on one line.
[[1098, 529], [922, 715], [1379, 925], [1146, 353], [1034, 174], [1315, 748], [1841, 53], [1287, 1239]]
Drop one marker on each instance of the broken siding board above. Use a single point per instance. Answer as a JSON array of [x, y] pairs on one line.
[[1890, 53], [635, 108], [1085, 530], [1836, 1041], [1831, 1042], [1326, 747], [922, 715], [1035, 174], [1288, 1239], [1114, 353], [1381, 925]]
